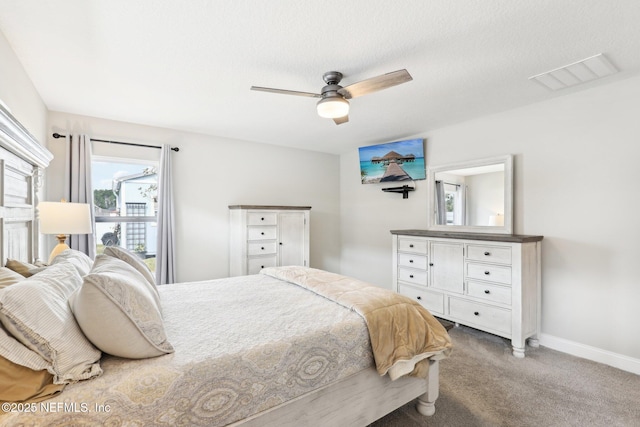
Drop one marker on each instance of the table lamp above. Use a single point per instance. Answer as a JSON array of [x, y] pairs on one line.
[[496, 220], [63, 218]]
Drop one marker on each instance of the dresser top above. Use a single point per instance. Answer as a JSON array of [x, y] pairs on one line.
[[263, 207], [516, 238]]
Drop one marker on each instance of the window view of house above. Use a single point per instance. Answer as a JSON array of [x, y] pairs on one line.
[[125, 197]]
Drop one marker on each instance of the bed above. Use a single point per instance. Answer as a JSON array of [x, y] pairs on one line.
[[287, 347]]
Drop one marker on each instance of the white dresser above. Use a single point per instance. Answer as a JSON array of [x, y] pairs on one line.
[[267, 236], [490, 282]]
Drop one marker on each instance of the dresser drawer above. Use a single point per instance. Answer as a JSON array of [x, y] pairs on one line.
[[497, 254], [419, 277], [261, 233], [492, 273], [432, 301], [482, 315], [257, 264], [489, 292], [413, 261], [412, 245], [261, 248], [262, 218]]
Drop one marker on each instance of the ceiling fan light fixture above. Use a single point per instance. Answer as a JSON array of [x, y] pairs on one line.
[[334, 98], [333, 107]]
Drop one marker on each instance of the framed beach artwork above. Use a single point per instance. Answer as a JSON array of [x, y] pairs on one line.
[[393, 162]]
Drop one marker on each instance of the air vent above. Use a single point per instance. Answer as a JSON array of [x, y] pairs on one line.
[[582, 71]]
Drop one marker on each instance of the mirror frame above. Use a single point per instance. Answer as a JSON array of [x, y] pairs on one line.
[[507, 228]]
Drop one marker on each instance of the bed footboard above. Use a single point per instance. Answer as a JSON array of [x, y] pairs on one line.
[[355, 401]]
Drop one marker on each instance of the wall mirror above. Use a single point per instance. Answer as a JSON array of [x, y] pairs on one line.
[[474, 196]]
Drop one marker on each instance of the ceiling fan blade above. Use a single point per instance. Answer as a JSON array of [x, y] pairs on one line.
[[341, 120], [286, 92], [375, 84]]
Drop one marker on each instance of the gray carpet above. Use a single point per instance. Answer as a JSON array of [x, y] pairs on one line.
[[482, 384]]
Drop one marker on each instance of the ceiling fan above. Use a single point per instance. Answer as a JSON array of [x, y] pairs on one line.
[[334, 104]]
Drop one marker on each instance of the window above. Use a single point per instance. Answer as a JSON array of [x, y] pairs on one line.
[[125, 193], [454, 203]]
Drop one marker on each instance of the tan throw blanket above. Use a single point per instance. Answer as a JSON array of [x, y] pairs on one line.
[[404, 335]]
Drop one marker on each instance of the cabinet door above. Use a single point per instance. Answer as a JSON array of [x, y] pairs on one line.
[[291, 233], [447, 266]]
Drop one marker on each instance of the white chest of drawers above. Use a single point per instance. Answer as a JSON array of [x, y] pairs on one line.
[[490, 282], [267, 236]]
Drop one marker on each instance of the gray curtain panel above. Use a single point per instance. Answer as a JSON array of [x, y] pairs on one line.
[[78, 187], [441, 213]]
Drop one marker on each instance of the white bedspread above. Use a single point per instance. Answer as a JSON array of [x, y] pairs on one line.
[[242, 345]]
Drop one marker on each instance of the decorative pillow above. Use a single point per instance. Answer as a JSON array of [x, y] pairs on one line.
[[118, 311], [9, 277], [131, 259], [20, 267], [23, 373], [16, 352], [37, 270], [21, 384], [79, 260], [36, 312]]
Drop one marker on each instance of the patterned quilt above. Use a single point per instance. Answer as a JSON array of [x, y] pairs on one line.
[[242, 345]]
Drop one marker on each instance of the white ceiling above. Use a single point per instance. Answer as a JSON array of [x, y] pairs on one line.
[[188, 65]]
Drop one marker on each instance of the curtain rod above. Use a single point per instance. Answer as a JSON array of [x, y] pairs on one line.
[[57, 135], [449, 183]]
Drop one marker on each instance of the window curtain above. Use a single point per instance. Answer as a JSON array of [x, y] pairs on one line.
[[441, 210], [165, 257], [78, 187], [462, 190]]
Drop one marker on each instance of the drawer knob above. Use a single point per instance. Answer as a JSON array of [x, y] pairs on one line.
[[280, 243], [262, 219], [487, 273], [430, 264], [418, 297], [411, 276], [487, 253], [487, 291], [411, 261], [410, 246], [262, 232], [475, 313], [262, 248], [262, 266]]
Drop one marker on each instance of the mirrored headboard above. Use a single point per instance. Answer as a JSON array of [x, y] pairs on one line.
[[474, 196]]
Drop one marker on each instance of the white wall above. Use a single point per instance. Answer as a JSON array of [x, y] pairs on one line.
[[18, 93], [485, 197], [576, 172], [212, 173]]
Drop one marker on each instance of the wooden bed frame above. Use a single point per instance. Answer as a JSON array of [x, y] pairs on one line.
[[355, 401]]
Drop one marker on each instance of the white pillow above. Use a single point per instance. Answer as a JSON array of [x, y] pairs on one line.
[[9, 277], [79, 260], [36, 312], [118, 311], [131, 259], [16, 352]]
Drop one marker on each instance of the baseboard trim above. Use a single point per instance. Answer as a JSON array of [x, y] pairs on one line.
[[595, 354]]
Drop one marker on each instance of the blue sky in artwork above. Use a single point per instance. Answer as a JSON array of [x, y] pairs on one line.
[[409, 146]]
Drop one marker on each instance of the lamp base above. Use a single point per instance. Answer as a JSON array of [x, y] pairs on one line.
[[60, 247]]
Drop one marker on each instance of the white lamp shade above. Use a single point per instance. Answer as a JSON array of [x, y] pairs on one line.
[[65, 218], [333, 107]]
